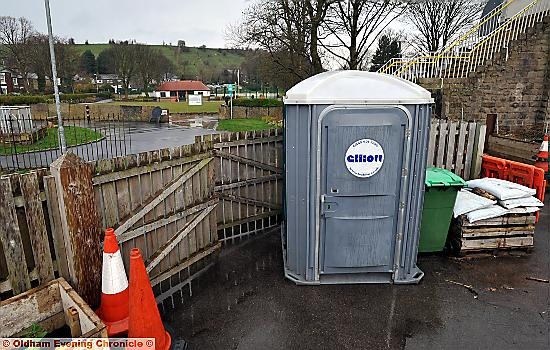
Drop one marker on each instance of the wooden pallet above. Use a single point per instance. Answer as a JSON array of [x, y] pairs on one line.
[[513, 231]]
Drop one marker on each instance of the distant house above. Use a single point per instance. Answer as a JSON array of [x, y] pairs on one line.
[[10, 81], [108, 79], [177, 91]]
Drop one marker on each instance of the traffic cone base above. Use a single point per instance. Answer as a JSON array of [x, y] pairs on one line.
[[114, 288], [144, 316]]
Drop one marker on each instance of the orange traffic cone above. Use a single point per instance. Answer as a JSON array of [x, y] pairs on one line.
[[114, 288], [542, 156], [145, 321]]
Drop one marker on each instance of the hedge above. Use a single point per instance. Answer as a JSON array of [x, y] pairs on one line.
[[11, 100], [257, 102]]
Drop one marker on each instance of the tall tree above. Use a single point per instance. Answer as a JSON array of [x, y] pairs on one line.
[[389, 46], [354, 25], [88, 62], [151, 66], [125, 62], [105, 62], [286, 29], [15, 34], [438, 22]]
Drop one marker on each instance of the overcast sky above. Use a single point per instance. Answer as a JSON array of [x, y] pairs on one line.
[[152, 21]]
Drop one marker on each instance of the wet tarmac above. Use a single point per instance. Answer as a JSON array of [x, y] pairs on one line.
[[244, 302]]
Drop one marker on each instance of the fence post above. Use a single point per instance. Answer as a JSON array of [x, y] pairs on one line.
[[79, 224]]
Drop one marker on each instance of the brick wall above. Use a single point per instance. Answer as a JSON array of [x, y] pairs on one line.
[[517, 89]]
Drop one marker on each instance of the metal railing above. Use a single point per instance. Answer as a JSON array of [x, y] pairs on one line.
[[27, 142], [493, 33]]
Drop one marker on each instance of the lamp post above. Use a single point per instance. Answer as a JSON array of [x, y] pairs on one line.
[[61, 131]]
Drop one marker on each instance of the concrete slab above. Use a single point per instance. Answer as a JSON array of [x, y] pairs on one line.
[[245, 302]]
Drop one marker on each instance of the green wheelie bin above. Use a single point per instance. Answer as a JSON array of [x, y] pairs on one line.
[[440, 193]]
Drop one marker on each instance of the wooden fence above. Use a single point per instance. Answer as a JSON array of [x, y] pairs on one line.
[[161, 202], [248, 176], [457, 146]]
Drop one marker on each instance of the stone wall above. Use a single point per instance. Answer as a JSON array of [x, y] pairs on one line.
[[517, 89], [98, 111], [250, 112]]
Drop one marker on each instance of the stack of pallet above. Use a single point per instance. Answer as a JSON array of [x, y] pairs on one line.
[[510, 231]]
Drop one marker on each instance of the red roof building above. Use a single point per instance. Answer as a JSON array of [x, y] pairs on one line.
[[178, 90]]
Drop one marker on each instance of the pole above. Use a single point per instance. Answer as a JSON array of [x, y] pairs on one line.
[[238, 81], [61, 131], [231, 102]]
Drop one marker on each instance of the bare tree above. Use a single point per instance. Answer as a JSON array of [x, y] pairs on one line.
[[124, 55], [151, 65], [15, 34], [438, 22], [288, 30], [353, 26]]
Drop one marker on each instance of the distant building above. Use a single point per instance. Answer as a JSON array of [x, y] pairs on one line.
[[108, 79], [177, 91], [10, 81]]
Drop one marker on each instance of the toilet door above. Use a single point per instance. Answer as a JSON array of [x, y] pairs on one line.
[[362, 156]]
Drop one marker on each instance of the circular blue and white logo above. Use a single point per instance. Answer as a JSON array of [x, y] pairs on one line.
[[364, 158]]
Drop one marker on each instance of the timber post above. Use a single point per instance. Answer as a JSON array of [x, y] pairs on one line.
[[81, 230]]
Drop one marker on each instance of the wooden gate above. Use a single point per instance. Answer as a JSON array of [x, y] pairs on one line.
[[457, 146], [163, 203], [248, 176]]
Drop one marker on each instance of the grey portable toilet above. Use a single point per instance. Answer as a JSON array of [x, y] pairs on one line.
[[355, 160]]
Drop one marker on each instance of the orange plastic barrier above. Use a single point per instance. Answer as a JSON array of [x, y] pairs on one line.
[[523, 174], [494, 167]]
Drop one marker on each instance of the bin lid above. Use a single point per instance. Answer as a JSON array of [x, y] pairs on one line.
[[356, 87], [437, 177]]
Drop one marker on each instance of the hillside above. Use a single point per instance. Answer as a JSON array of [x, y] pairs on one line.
[[192, 62]]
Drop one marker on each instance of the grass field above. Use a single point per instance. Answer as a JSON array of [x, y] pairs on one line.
[[74, 135], [243, 125], [195, 62], [175, 107]]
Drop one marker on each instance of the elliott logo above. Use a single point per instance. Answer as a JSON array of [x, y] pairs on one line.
[[364, 158]]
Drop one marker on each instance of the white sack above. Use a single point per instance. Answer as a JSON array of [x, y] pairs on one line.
[[524, 210], [493, 211], [502, 189], [521, 202], [467, 201]]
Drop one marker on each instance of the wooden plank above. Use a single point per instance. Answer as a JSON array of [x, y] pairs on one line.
[[500, 221], [449, 162], [55, 225], [247, 141], [149, 206], [441, 150], [197, 256], [469, 150], [140, 170], [249, 219], [20, 202], [498, 231], [128, 235], [248, 161], [110, 204], [37, 227], [250, 201], [497, 243], [431, 147], [478, 151], [460, 149], [163, 251], [10, 236], [249, 182]]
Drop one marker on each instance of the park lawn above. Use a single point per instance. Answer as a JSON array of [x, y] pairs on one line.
[[74, 135], [175, 107], [243, 125]]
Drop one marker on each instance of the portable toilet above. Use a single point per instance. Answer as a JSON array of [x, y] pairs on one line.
[[355, 161]]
